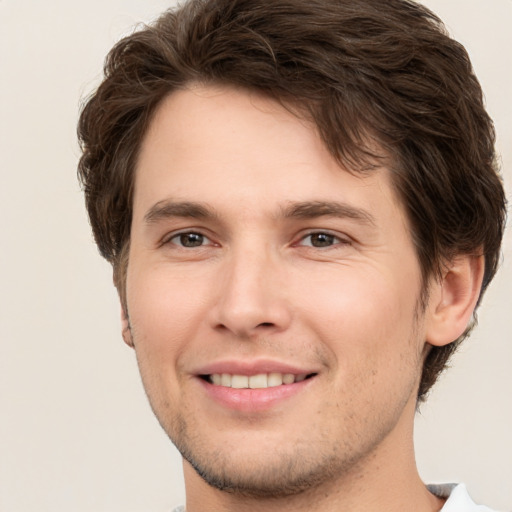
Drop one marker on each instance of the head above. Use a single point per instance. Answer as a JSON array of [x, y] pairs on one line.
[[362, 103]]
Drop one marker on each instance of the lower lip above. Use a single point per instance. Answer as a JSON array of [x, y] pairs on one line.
[[253, 400]]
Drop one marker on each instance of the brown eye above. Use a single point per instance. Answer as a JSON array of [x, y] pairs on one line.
[[320, 240], [189, 240]]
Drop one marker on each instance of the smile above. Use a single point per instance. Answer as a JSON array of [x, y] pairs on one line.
[[259, 381]]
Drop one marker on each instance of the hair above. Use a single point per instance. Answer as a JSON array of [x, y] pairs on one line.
[[367, 73]]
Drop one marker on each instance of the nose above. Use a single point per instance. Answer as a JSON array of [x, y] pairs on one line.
[[251, 298]]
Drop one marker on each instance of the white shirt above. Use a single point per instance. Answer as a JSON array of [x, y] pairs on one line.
[[458, 498]]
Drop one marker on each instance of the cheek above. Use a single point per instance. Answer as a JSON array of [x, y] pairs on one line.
[[166, 303], [367, 323], [364, 305], [161, 319], [165, 313]]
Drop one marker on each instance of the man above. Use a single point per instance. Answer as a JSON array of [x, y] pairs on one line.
[[302, 208]]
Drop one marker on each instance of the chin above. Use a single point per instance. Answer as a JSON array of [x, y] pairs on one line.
[[261, 468], [283, 475]]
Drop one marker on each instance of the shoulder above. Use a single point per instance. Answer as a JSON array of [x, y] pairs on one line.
[[458, 499]]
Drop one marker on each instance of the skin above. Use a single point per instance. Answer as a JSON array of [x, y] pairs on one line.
[[334, 292]]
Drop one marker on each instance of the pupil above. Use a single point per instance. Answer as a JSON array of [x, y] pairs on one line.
[[191, 240], [322, 240]]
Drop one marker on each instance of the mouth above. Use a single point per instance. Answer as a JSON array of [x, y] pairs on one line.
[[256, 386], [258, 381]]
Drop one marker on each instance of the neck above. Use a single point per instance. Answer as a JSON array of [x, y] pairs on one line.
[[387, 479]]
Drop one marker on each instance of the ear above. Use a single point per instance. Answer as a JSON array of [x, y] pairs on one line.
[[453, 299], [126, 329]]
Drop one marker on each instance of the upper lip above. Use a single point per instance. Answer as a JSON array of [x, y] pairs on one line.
[[255, 367]]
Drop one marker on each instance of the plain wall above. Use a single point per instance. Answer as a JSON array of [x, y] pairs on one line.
[[76, 433]]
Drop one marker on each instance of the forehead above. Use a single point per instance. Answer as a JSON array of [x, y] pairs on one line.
[[233, 147]]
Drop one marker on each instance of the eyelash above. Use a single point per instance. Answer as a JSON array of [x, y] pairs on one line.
[[332, 240], [183, 234]]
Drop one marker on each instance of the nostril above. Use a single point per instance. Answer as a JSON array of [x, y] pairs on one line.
[[265, 324]]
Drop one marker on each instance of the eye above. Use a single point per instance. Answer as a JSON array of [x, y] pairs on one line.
[[189, 239], [321, 239]]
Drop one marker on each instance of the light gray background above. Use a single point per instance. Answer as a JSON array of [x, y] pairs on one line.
[[76, 433]]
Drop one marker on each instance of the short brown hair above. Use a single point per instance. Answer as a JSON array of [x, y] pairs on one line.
[[361, 70]]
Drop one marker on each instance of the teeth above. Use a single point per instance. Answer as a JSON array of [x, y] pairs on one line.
[[239, 381], [260, 381], [274, 379], [288, 378]]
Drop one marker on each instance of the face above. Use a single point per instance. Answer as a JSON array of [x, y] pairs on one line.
[[272, 296]]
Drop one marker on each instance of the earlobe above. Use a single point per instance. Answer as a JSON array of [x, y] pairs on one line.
[[454, 299], [126, 329]]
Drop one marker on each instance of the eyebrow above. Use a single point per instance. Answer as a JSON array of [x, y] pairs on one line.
[[168, 208], [187, 209], [314, 209]]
